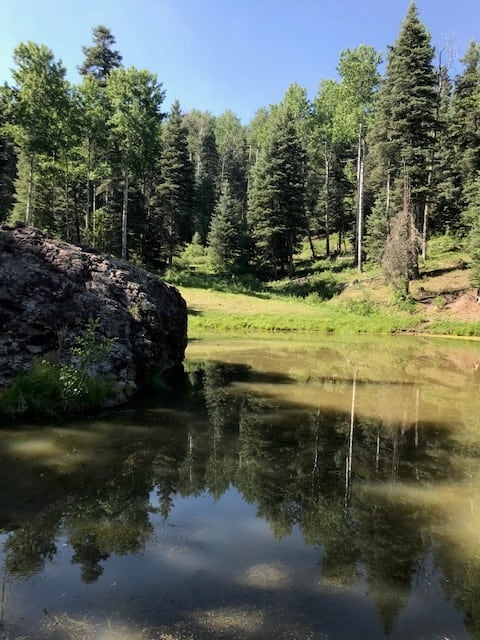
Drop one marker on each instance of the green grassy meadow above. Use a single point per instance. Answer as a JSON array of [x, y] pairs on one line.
[[331, 297]]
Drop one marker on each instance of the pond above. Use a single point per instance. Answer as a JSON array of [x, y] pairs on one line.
[[290, 488]]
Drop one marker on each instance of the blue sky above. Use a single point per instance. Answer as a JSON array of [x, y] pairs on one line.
[[229, 54]]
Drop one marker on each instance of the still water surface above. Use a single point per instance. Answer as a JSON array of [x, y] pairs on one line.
[[290, 489]]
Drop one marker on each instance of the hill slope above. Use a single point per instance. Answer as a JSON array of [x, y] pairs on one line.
[[332, 296]]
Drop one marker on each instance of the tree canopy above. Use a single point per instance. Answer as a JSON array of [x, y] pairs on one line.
[[98, 162]]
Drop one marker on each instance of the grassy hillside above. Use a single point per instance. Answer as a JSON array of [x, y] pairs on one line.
[[331, 296]]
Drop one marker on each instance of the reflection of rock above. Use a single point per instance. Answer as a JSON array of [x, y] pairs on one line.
[[50, 289]]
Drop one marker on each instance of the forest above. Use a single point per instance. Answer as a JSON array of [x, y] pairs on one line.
[[383, 158]]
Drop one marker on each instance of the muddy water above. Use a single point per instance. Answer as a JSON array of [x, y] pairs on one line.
[[290, 489]]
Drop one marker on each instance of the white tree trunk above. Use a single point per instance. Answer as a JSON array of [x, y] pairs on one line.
[[28, 213], [125, 216]]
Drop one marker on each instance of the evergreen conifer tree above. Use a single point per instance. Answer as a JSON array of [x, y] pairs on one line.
[[176, 188], [444, 196], [403, 131], [203, 154], [465, 134], [227, 236], [100, 58], [474, 235], [276, 208]]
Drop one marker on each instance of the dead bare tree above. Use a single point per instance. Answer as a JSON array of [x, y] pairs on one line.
[[400, 260]]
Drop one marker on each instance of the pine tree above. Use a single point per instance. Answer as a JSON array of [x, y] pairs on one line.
[[227, 241], [203, 153], [404, 125], [176, 188], [100, 58], [97, 148], [474, 236], [276, 208], [445, 198], [377, 231], [465, 133]]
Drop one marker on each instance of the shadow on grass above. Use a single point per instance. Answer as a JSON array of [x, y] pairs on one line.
[[322, 284], [449, 295], [325, 287], [432, 273], [247, 285], [322, 264]]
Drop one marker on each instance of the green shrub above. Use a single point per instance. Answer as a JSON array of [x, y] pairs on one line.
[[324, 286], [362, 306], [439, 302], [404, 302]]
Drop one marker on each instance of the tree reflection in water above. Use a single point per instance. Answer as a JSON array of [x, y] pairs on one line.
[[329, 473]]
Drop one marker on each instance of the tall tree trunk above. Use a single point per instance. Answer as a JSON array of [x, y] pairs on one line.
[[426, 211], [310, 242], [94, 214], [360, 195], [387, 204], [170, 238], [89, 203], [77, 216], [65, 204], [327, 207], [290, 255], [125, 215], [198, 168], [28, 213]]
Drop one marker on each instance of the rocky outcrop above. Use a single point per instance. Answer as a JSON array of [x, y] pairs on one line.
[[49, 290]]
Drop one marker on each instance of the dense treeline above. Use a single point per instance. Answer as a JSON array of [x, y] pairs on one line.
[[373, 163]]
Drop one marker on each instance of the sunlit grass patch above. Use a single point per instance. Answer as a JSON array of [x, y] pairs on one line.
[[454, 328], [214, 311]]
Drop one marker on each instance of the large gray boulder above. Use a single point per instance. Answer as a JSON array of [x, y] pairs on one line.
[[49, 290]]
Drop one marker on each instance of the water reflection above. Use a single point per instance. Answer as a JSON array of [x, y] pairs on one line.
[[379, 476]]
